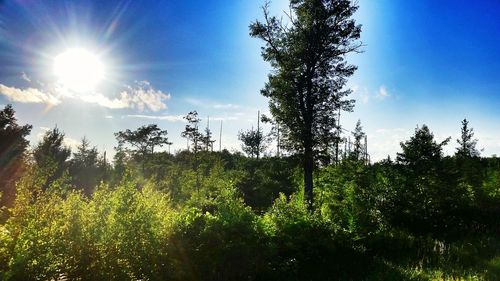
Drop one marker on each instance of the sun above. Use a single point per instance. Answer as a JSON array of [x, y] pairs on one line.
[[78, 69]]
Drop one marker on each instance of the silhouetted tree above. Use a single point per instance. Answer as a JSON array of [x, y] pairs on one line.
[[86, 167], [191, 132], [467, 156], [207, 140], [467, 143], [306, 87], [13, 145], [144, 139], [51, 152]]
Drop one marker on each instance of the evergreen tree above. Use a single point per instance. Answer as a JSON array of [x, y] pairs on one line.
[[253, 142], [467, 158], [467, 143], [86, 167], [51, 153], [13, 145], [358, 136], [424, 197], [207, 140], [306, 86], [119, 163]]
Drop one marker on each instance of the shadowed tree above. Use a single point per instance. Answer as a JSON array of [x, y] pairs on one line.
[[86, 168], [467, 143], [13, 145], [467, 157], [306, 86], [358, 136], [208, 142], [119, 163], [253, 142], [51, 152], [424, 197]]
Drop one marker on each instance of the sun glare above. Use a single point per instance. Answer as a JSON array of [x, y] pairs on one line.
[[78, 69]]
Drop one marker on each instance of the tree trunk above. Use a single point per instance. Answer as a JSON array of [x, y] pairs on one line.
[[308, 177]]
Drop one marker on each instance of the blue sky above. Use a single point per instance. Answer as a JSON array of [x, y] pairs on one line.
[[425, 62]]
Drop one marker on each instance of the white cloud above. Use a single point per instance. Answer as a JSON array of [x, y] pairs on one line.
[[207, 104], [25, 77], [226, 106], [360, 94], [383, 142], [363, 94], [382, 93], [227, 118], [71, 143], [170, 118], [28, 95], [116, 103], [140, 96], [108, 116]]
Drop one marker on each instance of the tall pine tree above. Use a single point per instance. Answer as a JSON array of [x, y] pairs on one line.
[[306, 86]]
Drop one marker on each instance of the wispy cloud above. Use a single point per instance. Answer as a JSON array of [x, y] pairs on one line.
[[364, 95], [28, 95], [170, 118], [227, 118], [25, 77], [360, 94], [382, 93], [226, 106], [208, 104]]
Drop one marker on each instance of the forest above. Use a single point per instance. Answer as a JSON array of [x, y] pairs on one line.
[[311, 207]]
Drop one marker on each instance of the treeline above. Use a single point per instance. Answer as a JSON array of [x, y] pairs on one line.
[[204, 215]]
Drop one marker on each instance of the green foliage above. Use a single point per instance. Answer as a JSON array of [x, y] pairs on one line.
[[467, 143], [261, 181], [52, 152], [253, 142], [222, 216]]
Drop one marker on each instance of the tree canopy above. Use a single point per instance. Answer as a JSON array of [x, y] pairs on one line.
[[144, 139]]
